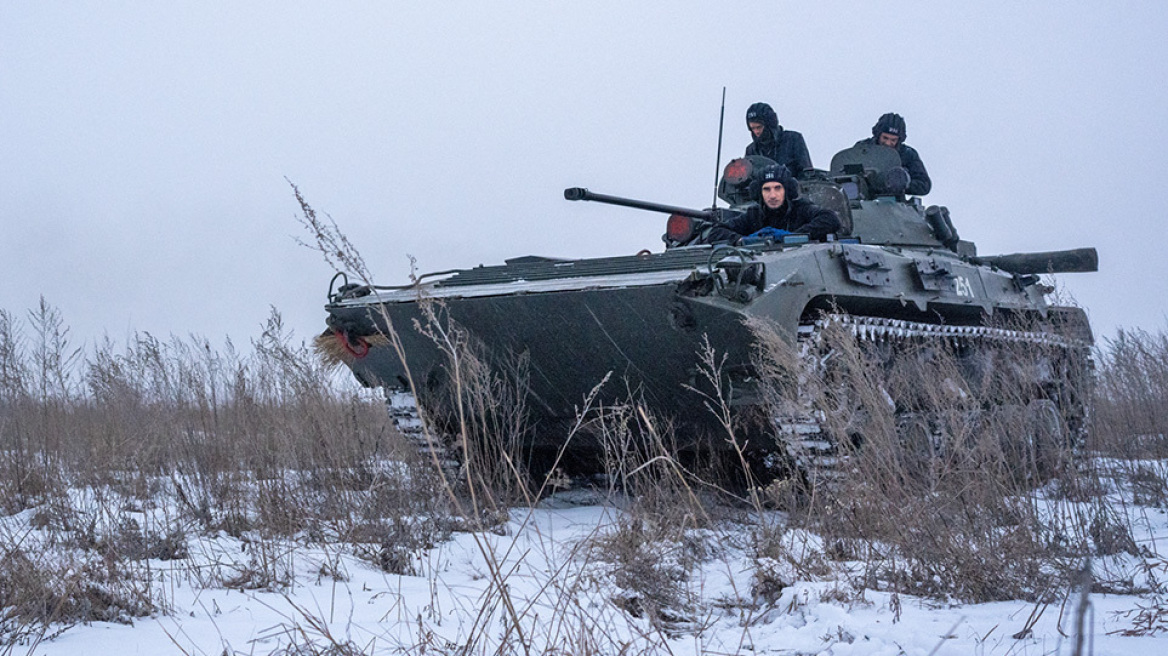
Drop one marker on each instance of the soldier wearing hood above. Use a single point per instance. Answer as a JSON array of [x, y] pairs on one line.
[[780, 210], [769, 139], [890, 131]]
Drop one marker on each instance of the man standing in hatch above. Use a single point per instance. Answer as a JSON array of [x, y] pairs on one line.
[[780, 211], [890, 131], [769, 139]]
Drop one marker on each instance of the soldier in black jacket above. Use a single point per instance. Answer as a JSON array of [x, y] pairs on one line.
[[780, 208], [890, 131], [769, 139]]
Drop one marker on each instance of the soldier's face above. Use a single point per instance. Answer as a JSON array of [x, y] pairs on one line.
[[890, 140], [756, 128], [773, 195]]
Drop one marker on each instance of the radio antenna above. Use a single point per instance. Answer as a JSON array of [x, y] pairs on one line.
[[718, 160]]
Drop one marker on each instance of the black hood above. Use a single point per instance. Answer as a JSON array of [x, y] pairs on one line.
[[775, 173], [761, 112]]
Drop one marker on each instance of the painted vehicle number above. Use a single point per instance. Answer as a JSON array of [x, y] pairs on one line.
[[962, 286]]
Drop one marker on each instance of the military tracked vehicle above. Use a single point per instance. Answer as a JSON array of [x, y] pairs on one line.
[[897, 272]]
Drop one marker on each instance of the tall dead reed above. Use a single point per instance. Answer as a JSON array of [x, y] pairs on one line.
[[1130, 413], [122, 452]]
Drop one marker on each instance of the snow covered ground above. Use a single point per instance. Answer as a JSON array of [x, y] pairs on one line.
[[539, 584]]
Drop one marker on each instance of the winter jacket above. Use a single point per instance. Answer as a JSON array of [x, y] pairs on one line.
[[795, 215], [785, 147]]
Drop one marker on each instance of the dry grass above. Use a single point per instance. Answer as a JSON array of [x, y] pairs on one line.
[[1131, 398], [270, 445]]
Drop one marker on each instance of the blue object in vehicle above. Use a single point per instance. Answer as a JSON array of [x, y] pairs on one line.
[[766, 234]]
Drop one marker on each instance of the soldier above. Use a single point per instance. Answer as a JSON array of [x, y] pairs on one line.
[[769, 139], [781, 211], [890, 131]]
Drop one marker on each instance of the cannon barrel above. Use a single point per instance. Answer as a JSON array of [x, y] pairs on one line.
[[580, 193], [1079, 260]]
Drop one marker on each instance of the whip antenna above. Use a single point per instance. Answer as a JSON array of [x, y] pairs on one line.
[[718, 160]]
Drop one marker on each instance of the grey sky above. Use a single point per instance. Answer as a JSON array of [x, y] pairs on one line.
[[144, 146]]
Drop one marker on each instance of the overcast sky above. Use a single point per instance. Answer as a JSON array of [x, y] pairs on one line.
[[144, 146]]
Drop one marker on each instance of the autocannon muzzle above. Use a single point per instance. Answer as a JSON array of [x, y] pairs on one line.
[[580, 193], [576, 193]]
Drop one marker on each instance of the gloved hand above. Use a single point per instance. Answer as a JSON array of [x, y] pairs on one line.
[[767, 234], [892, 182]]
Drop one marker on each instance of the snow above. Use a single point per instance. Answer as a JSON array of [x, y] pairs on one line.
[[565, 598]]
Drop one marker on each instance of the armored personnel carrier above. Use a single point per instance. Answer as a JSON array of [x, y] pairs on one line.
[[607, 332]]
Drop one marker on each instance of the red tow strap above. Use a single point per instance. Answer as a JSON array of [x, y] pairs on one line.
[[358, 348]]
